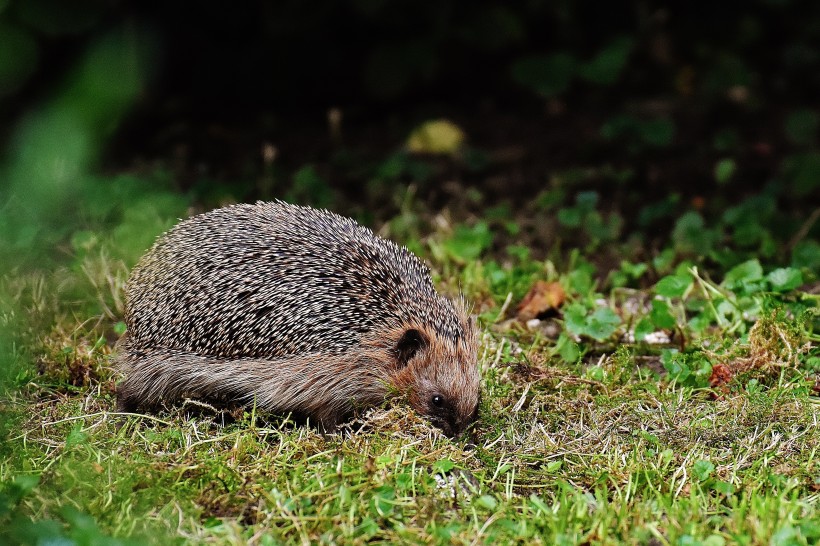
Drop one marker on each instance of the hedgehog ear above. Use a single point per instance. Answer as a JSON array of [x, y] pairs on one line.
[[408, 345]]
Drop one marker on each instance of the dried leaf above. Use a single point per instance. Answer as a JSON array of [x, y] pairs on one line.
[[542, 298]]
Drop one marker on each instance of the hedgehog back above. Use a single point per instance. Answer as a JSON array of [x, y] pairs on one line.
[[272, 279]]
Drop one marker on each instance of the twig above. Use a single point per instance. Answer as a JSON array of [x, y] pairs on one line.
[[804, 229]]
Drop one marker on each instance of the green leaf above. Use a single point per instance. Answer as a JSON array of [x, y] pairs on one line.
[[75, 437], [691, 236], [806, 254], [661, 315], [675, 363], [547, 75], [802, 172], [25, 483], [726, 311], [725, 488], [446, 532], [603, 230], [12, 492], [468, 243], [643, 328], [567, 349], [633, 271], [596, 373], [702, 469], [743, 273], [658, 132], [701, 370], [602, 324], [608, 64], [587, 200], [443, 466], [701, 321], [785, 279], [580, 281], [382, 503], [575, 319], [810, 529], [724, 170], [569, 217], [486, 501], [383, 461], [368, 528], [673, 286]]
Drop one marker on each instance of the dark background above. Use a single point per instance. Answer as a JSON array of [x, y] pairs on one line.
[[639, 111]]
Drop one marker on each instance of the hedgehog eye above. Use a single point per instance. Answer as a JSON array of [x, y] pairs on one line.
[[437, 400], [409, 344]]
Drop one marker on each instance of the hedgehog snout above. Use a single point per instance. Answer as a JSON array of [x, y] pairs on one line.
[[451, 405], [449, 419]]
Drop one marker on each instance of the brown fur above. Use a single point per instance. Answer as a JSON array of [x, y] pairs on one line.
[[327, 388], [274, 320]]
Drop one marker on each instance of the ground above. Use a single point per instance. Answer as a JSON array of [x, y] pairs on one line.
[[649, 403]]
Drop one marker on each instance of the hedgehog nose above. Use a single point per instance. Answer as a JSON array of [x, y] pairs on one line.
[[450, 427], [455, 427]]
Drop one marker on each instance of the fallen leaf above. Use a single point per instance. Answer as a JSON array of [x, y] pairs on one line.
[[436, 137], [721, 376], [542, 298]]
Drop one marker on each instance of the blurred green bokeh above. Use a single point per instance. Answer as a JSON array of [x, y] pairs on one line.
[[18, 57], [50, 191], [53, 150]]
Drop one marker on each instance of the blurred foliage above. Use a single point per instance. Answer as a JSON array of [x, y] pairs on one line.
[[653, 88], [48, 189], [74, 527], [55, 209], [552, 74], [735, 90], [390, 50]]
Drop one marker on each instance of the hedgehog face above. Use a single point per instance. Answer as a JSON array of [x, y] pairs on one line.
[[441, 379]]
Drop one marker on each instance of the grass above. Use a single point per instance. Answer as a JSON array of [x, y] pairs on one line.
[[574, 463], [584, 437]]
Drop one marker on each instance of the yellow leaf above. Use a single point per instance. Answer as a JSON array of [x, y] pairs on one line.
[[436, 137]]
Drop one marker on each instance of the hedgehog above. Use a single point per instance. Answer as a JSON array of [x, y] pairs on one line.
[[293, 310]]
